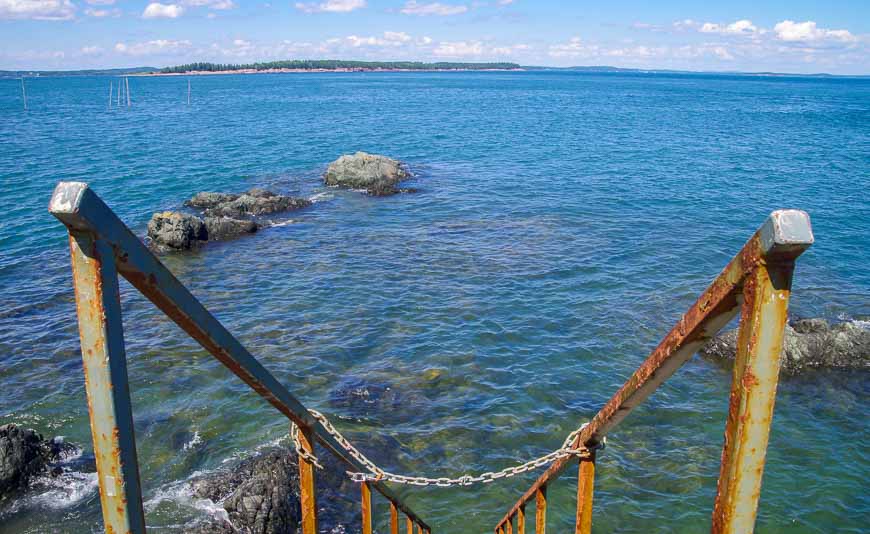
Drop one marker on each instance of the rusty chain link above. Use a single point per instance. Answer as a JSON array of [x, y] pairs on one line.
[[376, 474]]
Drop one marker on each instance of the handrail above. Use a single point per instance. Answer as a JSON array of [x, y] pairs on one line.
[[101, 247], [758, 280]]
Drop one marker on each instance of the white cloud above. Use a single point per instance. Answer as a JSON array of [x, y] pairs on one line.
[[102, 13], [101, 2], [157, 10], [91, 50], [459, 49], [389, 39], [505, 2], [807, 31], [158, 46], [685, 24], [435, 8], [331, 6], [37, 9], [211, 4], [740, 27]]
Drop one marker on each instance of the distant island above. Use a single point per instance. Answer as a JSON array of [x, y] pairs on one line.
[[331, 65]]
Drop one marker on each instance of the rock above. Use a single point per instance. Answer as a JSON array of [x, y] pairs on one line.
[[176, 230], [225, 227], [378, 175], [253, 203], [362, 398], [24, 454], [207, 200], [261, 494], [808, 343]]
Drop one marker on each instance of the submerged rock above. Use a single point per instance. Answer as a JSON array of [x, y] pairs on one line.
[[261, 495], [808, 343], [225, 227], [252, 203], [24, 454], [378, 175]]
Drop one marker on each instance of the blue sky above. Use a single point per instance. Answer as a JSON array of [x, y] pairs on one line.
[[786, 36]]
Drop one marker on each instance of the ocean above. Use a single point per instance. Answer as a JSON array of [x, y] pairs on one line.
[[563, 222]]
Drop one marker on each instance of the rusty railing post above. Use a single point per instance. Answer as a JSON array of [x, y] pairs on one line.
[[764, 314], [409, 525], [394, 518], [521, 520], [509, 526], [101, 332], [541, 510], [366, 508], [419, 528], [307, 491], [585, 485]]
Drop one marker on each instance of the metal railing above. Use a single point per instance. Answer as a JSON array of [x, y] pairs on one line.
[[102, 247], [757, 283]]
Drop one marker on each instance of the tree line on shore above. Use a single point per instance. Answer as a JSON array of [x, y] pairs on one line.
[[330, 64]]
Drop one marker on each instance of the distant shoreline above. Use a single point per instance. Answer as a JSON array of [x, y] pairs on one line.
[[302, 71]]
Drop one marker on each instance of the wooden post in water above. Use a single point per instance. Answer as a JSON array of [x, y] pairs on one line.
[[118, 101], [24, 93], [127, 80], [111, 90]]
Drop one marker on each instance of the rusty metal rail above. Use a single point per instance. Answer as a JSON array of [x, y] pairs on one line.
[[757, 282], [101, 248]]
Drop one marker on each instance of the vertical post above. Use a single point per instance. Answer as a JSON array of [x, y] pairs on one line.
[[394, 518], [111, 87], [188, 91], [101, 332], [419, 529], [541, 510], [521, 520], [409, 525], [307, 491], [127, 81], [366, 508], [585, 484], [118, 101], [24, 93], [753, 392], [509, 526]]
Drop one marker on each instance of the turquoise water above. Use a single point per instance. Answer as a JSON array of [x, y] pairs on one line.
[[564, 222]]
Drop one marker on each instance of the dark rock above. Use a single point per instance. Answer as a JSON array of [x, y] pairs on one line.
[[225, 227], [24, 454], [377, 175], [361, 398], [261, 494], [808, 343], [253, 203], [206, 200], [176, 230]]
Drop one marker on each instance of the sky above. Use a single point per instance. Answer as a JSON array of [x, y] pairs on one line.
[[798, 36]]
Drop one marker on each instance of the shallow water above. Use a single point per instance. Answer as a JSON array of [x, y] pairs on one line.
[[564, 222]]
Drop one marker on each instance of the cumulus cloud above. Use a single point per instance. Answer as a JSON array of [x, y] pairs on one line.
[[412, 7], [458, 49], [388, 39], [807, 31], [158, 46], [740, 27], [102, 13], [331, 6], [157, 10], [37, 9]]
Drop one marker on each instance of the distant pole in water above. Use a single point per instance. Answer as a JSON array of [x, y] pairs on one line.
[[111, 87], [118, 101], [24, 93], [188, 91], [127, 79]]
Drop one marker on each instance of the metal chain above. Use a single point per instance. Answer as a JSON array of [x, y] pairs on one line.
[[376, 474], [294, 435]]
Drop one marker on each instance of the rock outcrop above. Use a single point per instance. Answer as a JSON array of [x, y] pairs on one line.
[[25, 454], [377, 175], [182, 231], [808, 343], [261, 495], [252, 203]]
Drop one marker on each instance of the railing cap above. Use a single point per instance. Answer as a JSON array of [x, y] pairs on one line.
[[66, 197], [786, 232]]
